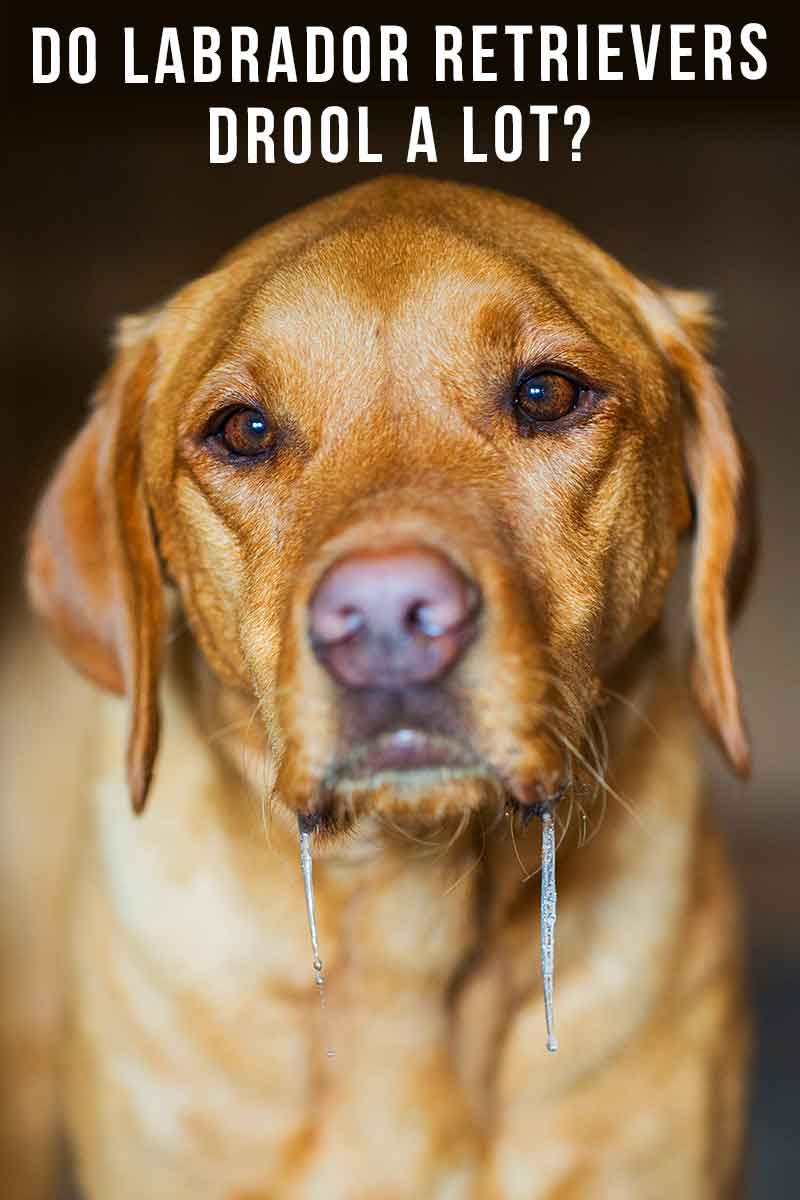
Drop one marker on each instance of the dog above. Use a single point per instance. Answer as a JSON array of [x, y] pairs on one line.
[[377, 519]]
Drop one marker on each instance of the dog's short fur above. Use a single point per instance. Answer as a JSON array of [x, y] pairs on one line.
[[382, 332]]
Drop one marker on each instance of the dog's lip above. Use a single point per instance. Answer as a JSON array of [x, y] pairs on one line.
[[411, 758], [403, 750]]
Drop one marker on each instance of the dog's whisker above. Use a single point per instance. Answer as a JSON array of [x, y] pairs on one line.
[[430, 844], [462, 824], [596, 744], [253, 714], [633, 708], [593, 832], [526, 874], [600, 757], [267, 800], [465, 874], [231, 727], [604, 784], [565, 823], [584, 825]]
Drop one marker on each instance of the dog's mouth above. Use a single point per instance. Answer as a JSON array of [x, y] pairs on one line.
[[403, 751], [405, 773], [423, 778]]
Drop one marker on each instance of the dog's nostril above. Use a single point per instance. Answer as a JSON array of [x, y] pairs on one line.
[[392, 618], [350, 621], [422, 617], [434, 618], [337, 625]]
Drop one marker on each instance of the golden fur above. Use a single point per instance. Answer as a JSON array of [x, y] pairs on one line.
[[165, 997]]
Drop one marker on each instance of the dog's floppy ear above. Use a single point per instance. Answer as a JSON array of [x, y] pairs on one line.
[[93, 568], [720, 478]]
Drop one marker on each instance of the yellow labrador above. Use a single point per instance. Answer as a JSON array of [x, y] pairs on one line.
[[377, 520]]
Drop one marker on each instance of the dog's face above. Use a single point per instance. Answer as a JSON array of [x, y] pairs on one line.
[[416, 462]]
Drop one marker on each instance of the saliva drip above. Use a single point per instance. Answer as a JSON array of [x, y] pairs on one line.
[[548, 922], [308, 888], [546, 928]]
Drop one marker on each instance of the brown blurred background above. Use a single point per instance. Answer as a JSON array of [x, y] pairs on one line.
[[111, 204]]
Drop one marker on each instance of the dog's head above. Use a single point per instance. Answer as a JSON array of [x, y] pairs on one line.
[[416, 460]]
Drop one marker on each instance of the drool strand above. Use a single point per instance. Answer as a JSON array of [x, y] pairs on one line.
[[548, 922], [308, 887]]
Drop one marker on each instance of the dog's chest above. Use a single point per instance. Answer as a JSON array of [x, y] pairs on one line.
[[198, 1061], [195, 978]]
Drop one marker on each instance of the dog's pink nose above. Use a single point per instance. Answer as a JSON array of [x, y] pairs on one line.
[[394, 618]]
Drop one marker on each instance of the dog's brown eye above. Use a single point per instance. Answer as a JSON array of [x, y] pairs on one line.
[[546, 396], [246, 433]]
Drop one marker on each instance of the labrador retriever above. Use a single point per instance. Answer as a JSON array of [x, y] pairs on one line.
[[377, 520]]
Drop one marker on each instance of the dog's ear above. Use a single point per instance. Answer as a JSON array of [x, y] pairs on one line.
[[93, 568], [720, 478]]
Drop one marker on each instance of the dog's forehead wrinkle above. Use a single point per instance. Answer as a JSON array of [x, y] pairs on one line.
[[361, 312], [395, 272], [396, 246]]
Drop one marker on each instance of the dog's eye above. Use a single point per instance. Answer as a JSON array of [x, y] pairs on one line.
[[245, 433], [546, 396]]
